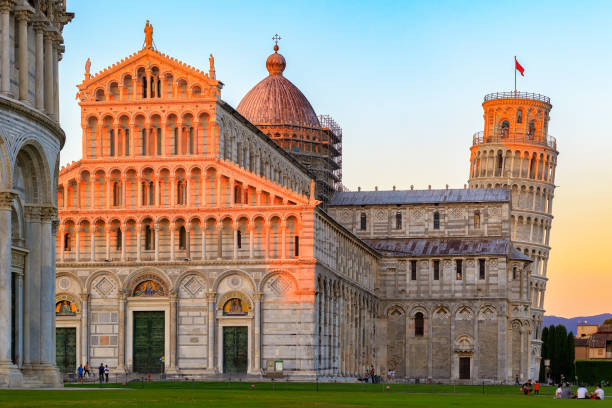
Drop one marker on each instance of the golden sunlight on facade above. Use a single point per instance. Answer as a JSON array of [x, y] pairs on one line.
[[192, 242]]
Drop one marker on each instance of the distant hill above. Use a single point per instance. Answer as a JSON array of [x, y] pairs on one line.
[[570, 323]]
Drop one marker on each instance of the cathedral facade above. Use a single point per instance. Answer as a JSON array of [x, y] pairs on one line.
[[191, 242]]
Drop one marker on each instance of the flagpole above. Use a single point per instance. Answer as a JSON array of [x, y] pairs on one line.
[[515, 74]]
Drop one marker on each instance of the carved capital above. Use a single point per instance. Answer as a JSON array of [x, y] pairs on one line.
[[6, 6], [23, 14], [258, 296], [6, 200], [48, 214], [211, 296]]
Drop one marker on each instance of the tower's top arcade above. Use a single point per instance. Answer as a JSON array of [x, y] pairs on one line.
[[514, 118]]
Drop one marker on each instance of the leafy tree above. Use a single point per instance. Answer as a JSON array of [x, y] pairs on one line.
[[544, 354], [608, 321]]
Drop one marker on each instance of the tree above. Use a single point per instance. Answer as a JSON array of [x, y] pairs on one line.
[[608, 321], [561, 352], [571, 344], [544, 355]]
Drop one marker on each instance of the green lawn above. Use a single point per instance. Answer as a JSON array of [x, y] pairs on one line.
[[275, 395]]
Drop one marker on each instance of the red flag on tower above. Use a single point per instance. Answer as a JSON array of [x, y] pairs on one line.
[[519, 67]]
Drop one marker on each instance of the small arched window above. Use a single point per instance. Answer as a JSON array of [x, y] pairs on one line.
[[505, 128], [149, 238], [151, 193], [67, 242], [127, 142], [519, 116], [398, 220], [477, 219], [500, 160], [363, 221], [182, 238], [436, 220], [180, 189], [514, 273], [419, 324], [532, 128], [238, 239], [118, 239], [111, 137], [144, 86], [116, 194]]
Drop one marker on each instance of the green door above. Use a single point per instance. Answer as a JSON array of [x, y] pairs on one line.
[[65, 349], [235, 349], [149, 342]]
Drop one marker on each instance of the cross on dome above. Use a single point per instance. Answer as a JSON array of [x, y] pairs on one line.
[[276, 39]]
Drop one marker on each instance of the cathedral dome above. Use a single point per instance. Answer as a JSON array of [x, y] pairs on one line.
[[275, 100]]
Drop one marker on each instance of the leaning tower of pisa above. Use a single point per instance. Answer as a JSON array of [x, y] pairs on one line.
[[515, 151]]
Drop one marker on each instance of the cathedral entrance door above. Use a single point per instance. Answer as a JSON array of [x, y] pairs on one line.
[[149, 342], [464, 368], [65, 349], [235, 349]]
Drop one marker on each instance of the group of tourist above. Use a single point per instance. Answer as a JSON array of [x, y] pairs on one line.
[[564, 391], [103, 372]]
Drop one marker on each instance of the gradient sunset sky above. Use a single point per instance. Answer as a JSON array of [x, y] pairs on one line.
[[405, 80]]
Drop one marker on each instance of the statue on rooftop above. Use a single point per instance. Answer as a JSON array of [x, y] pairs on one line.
[[87, 67], [148, 30]]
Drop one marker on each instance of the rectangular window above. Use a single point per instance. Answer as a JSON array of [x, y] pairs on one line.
[[398, 220], [239, 239], [436, 271], [297, 246], [481, 269], [363, 221], [413, 270], [459, 264]]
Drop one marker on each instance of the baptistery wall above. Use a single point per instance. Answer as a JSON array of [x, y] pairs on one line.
[[31, 45]]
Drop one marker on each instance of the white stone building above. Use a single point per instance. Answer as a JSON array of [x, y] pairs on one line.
[[31, 45]]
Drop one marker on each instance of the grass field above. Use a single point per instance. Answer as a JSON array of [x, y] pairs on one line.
[[276, 395]]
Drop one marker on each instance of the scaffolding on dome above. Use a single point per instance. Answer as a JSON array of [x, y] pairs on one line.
[[334, 131]]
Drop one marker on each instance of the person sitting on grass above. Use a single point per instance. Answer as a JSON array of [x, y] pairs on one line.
[[567, 392], [581, 392], [527, 388], [598, 393], [559, 392]]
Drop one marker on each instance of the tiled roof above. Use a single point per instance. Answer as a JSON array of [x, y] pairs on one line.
[[472, 195], [580, 342], [598, 340], [446, 247]]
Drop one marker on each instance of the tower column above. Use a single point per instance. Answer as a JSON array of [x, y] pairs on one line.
[[23, 17]]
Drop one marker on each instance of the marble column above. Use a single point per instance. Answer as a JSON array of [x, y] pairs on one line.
[[22, 27], [85, 328], [138, 241], [172, 363], [5, 46], [49, 109], [211, 330], [92, 239], [47, 288], [123, 229], [122, 329], [172, 234], [258, 299], [5, 282], [156, 249]]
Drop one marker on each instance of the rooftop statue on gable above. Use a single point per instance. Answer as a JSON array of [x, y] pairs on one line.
[[148, 30], [211, 61], [87, 67]]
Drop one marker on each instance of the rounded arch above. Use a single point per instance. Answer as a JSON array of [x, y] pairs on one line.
[[277, 272], [34, 186], [144, 274], [91, 278], [230, 272], [394, 306]]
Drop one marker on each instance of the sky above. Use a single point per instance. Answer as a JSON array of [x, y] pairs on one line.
[[405, 80]]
